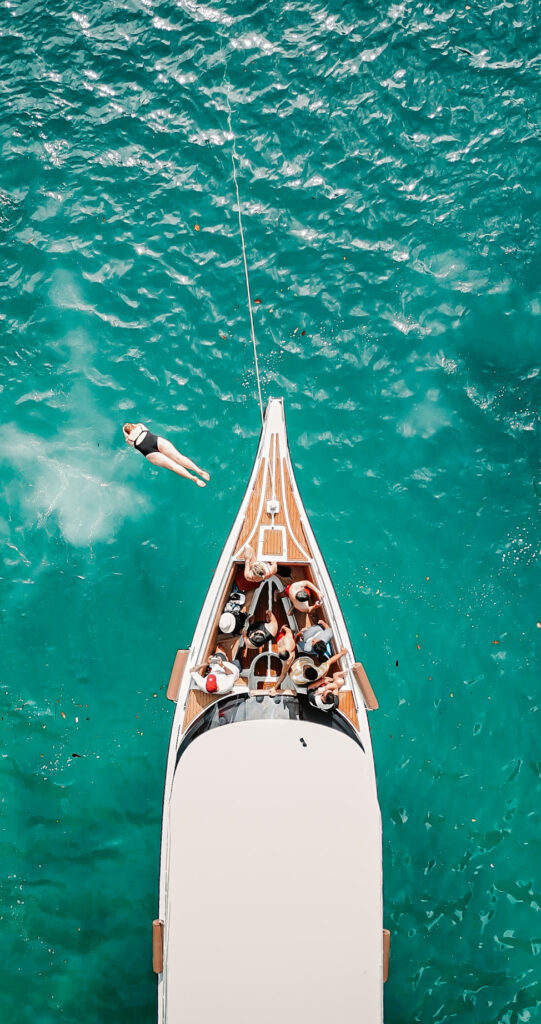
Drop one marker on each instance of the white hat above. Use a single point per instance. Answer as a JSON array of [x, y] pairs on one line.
[[227, 622]]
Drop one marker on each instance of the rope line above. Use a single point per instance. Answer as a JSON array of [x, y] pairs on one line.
[[234, 158]]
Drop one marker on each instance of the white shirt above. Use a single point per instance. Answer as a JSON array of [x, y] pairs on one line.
[[225, 680]]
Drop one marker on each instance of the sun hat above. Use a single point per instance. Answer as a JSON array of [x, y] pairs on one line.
[[227, 622]]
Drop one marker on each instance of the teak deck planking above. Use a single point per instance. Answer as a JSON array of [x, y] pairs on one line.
[[257, 517]]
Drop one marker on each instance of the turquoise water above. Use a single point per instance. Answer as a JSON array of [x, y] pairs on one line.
[[389, 169]]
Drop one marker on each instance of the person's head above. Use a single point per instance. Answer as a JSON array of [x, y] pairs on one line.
[[257, 637], [319, 648], [283, 655], [310, 673], [127, 428], [211, 683], [302, 595], [259, 569]]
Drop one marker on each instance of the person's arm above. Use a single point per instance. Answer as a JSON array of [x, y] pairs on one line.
[[249, 556], [335, 657], [272, 621], [312, 607], [198, 678], [285, 670], [272, 569], [199, 668], [249, 559]]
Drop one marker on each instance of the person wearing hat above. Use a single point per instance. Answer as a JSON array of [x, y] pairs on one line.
[[323, 701], [257, 633], [231, 623], [217, 676], [300, 593]]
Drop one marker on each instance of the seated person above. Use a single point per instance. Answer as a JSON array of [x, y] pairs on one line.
[[304, 671], [323, 669], [258, 633], [323, 700], [331, 684], [232, 623], [218, 675], [254, 572], [316, 639], [286, 648], [285, 643], [299, 594]]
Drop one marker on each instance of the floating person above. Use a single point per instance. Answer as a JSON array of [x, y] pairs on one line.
[[160, 452], [299, 594], [254, 572]]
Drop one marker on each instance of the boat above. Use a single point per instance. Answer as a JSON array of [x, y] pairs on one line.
[[270, 896]]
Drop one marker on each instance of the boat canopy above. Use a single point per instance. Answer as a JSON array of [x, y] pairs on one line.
[[274, 902]]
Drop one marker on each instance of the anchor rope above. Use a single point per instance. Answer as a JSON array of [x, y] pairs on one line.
[[234, 159]]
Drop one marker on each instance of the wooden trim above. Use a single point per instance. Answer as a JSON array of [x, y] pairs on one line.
[[157, 946], [176, 674], [347, 706], [369, 696], [386, 952]]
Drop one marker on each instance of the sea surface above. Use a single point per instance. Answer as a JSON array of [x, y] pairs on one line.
[[388, 165]]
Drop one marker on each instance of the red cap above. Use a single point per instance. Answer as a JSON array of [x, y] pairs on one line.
[[211, 683]]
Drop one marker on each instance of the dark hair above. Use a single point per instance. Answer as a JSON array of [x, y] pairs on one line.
[[257, 637], [310, 673], [283, 656], [319, 647], [302, 595], [329, 698]]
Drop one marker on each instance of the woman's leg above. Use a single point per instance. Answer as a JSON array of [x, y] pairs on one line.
[[168, 449], [157, 459]]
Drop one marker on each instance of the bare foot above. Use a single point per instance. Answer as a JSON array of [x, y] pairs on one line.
[[204, 474], [200, 483]]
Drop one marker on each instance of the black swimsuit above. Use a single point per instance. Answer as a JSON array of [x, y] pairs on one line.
[[147, 444]]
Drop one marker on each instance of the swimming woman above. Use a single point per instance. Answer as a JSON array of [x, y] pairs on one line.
[[160, 452]]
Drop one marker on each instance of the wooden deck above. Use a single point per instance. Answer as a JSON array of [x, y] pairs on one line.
[[281, 536]]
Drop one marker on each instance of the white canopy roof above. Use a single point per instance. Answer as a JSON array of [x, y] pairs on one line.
[[274, 904]]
